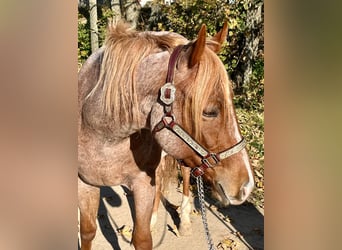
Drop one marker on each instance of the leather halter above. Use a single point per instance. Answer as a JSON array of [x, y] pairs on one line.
[[167, 96]]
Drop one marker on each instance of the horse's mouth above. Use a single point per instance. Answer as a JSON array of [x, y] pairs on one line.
[[225, 199], [221, 195]]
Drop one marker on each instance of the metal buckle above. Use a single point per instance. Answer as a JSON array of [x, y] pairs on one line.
[[199, 171], [210, 156], [206, 162], [167, 93], [214, 157]]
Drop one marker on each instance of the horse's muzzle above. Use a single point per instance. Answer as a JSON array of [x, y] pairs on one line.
[[242, 196]]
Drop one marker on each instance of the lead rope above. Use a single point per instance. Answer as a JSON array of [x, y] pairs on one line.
[[200, 190]]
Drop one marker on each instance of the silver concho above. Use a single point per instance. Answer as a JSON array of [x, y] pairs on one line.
[[167, 93]]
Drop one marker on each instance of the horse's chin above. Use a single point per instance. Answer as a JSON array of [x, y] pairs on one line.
[[222, 202], [220, 196]]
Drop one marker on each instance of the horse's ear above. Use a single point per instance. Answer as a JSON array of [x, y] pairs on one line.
[[219, 38], [198, 47]]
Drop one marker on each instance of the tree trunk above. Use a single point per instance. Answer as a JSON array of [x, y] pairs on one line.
[[94, 33], [116, 6], [132, 11], [253, 36], [254, 19], [127, 9]]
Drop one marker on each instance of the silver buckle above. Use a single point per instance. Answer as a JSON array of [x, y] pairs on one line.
[[167, 93], [212, 156]]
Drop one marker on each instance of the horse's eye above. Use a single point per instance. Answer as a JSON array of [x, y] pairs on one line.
[[210, 113]]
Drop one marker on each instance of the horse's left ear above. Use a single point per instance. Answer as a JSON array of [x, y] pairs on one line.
[[198, 47], [219, 38]]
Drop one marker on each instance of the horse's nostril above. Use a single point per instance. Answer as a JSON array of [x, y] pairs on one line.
[[245, 190]]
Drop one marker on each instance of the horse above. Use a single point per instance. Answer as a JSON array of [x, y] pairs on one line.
[[144, 94]]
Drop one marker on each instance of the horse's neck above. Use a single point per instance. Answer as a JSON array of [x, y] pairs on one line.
[[148, 83], [93, 122]]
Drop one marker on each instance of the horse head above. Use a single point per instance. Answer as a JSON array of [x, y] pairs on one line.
[[197, 103]]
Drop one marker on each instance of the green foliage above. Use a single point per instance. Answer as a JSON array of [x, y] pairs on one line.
[[84, 47], [105, 16], [187, 17], [252, 128], [251, 97]]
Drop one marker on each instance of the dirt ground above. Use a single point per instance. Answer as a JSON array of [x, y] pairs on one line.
[[235, 227]]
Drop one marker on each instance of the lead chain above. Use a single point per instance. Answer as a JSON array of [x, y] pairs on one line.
[[203, 212]]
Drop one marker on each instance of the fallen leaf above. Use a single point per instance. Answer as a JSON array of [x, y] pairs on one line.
[[226, 218], [258, 173], [125, 231], [227, 244]]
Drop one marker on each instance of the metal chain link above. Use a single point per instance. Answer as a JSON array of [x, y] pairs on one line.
[[200, 190]]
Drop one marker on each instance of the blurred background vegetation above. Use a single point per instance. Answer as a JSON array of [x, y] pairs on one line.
[[242, 55]]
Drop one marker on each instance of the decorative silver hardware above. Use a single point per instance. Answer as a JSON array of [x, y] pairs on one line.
[[167, 93]]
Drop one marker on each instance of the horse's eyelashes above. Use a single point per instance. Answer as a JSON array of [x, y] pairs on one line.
[[211, 113]]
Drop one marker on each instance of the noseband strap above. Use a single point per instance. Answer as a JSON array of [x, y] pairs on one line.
[[216, 158], [167, 97]]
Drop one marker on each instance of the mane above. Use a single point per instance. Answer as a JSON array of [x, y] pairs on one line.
[[211, 80], [124, 49]]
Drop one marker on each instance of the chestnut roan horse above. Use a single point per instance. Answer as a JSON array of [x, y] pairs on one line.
[[144, 93]]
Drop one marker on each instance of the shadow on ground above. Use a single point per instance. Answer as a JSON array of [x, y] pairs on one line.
[[248, 221], [105, 226], [245, 220]]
